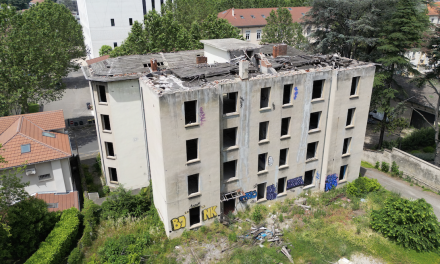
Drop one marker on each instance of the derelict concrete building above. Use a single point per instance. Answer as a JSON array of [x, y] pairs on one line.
[[253, 124]]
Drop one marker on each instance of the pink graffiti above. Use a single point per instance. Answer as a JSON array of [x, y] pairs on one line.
[[202, 116]]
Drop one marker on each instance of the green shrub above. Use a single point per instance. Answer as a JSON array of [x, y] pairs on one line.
[[105, 190], [105, 50], [30, 222], [377, 166], [91, 213], [362, 186], [416, 151], [385, 167], [355, 204], [281, 218], [122, 203], [75, 256], [412, 224], [421, 138], [257, 214], [429, 149], [394, 167], [58, 243], [124, 249], [232, 237], [424, 156]]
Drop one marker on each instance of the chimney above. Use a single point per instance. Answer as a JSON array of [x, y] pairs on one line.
[[153, 65], [275, 51], [201, 59], [233, 14], [265, 66], [243, 69], [282, 49]]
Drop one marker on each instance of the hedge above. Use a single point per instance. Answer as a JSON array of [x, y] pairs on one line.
[[58, 243]]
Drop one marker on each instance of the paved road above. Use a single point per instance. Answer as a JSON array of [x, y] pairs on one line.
[[404, 188], [86, 140]]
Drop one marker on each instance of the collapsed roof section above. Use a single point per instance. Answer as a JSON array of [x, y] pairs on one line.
[[219, 61]]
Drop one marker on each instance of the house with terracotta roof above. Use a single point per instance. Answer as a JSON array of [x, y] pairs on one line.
[[38, 141], [251, 21]]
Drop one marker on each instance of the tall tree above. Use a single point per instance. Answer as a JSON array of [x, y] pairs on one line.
[[281, 29], [403, 31], [432, 79], [38, 48], [19, 4]]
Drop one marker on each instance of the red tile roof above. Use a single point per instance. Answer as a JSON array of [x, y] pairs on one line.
[[258, 20], [433, 11], [64, 201], [89, 62], [19, 130]]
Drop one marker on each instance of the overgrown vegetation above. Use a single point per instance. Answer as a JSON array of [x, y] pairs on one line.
[[412, 224], [362, 186]]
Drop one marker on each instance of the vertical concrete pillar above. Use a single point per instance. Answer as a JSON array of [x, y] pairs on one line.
[[58, 176], [243, 69]]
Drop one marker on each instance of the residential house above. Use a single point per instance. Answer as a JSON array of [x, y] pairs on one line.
[[232, 125], [251, 21]]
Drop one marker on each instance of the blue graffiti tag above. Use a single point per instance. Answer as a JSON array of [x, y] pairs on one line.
[[331, 182], [295, 182], [296, 93], [248, 195], [317, 175], [271, 192]]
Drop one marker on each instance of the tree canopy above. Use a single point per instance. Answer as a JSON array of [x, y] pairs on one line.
[[281, 29], [38, 46], [19, 4]]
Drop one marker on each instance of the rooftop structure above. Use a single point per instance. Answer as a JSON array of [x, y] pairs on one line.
[[229, 126]]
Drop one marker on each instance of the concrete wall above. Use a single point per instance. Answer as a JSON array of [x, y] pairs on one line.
[[60, 181], [127, 133], [419, 170], [167, 135], [215, 55], [95, 18]]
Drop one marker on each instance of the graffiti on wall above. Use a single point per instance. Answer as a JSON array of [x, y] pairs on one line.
[[271, 192], [209, 213], [317, 175], [202, 116], [296, 93], [270, 160], [241, 101], [194, 205], [331, 182], [178, 223], [295, 182], [248, 196]]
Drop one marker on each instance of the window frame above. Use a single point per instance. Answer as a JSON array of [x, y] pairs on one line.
[[236, 104], [198, 185], [112, 22], [319, 121], [198, 149], [110, 174], [353, 116], [322, 90], [286, 158], [266, 139], [236, 137], [130, 21], [355, 80], [288, 127], [268, 98], [196, 113], [259, 34], [344, 178], [45, 179], [99, 90], [347, 152], [247, 35], [106, 143], [316, 143], [265, 162], [103, 123]]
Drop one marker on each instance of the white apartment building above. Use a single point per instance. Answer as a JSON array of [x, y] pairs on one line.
[[232, 125], [108, 22]]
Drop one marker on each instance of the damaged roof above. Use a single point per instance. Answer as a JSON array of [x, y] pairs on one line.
[[230, 44]]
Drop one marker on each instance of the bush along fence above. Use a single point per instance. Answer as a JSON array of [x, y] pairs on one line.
[[59, 242], [405, 165]]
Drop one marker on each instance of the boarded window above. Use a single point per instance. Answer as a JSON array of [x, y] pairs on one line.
[[102, 94], [308, 177], [262, 161], [285, 122], [311, 150], [190, 112], [230, 103], [283, 156], [193, 184], [229, 137], [314, 120], [354, 86], [191, 149], [264, 126], [287, 94], [229, 170], [264, 98], [350, 117], [317, 89]]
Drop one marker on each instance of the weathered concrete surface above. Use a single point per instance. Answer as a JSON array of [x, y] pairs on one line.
[[424, 173], [405, 189]]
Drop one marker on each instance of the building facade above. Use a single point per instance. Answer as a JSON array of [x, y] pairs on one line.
[[224, 135], [108, 22]]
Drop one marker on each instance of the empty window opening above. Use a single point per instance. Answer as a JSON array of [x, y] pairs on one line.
[[44, 177], [153, 4], [191, 149], [264, 99], [109, 149], [343, 172], [283, 156], [194, 215], [317, 89], [130, 21], [287, 94], [230, 103], [262, 161], [354, 85], [102, 95], [261, 191], [228, 206], [190, 112], [106, 122], [264, 126], [350, 117], [314, 120], [308, 177], [285, 122], [229, 137], [112, 22], [113, 174], [193, 184], [115, 44], [346, 147], [282, 185], [311, 150], [229, 170]]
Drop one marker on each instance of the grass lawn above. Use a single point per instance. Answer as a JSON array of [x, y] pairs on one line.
[[367, 165], [327, 232]]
